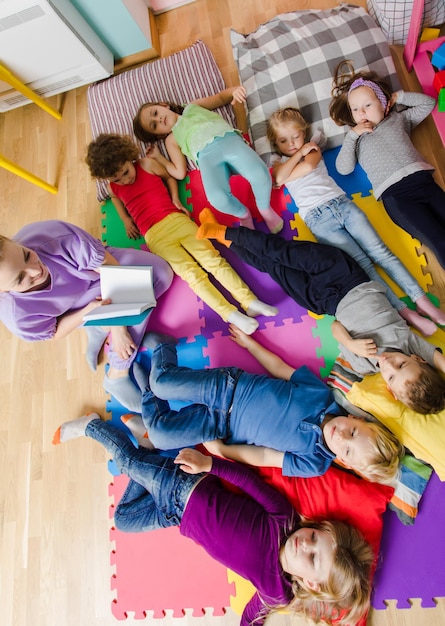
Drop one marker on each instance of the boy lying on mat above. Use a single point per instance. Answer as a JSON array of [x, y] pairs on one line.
[[292, 419], [372, 335]]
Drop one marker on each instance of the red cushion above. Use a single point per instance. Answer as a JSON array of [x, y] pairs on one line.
[[338, 495]]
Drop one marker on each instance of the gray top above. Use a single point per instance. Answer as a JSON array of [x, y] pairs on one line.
[[366, 312], [387, 154]]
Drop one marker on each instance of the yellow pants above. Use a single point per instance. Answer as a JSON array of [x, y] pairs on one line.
[[174, 239]]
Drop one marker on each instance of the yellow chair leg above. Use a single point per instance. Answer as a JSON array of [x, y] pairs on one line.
[[9, 78], [16, 169]]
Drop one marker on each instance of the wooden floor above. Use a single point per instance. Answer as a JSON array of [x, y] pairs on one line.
[[54, 547]]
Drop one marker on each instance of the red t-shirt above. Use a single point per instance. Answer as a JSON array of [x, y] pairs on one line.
[[147, 199]]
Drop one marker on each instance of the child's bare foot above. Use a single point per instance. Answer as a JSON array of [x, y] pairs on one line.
[[245, 323], [136, 426], [261, 308], [274, 222], [74, 428]]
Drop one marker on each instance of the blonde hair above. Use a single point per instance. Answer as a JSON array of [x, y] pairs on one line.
[[386, 451], [345, 596], [289, 115], [344, 76]]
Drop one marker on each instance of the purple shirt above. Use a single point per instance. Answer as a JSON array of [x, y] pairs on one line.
[[71, 255], [243, 533]]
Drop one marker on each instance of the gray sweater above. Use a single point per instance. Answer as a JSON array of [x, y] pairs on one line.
[[387, 154], [365, 312]]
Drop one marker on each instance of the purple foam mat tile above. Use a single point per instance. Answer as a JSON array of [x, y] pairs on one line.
[[412, 558], [178, 312], [265, 288]]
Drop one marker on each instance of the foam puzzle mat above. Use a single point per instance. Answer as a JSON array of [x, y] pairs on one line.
[[142, 563]]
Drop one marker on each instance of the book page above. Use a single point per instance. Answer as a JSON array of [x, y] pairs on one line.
[[130, 287], [127, 283]]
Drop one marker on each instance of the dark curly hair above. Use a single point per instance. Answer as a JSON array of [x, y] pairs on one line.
[[344, 76], [108, 152]]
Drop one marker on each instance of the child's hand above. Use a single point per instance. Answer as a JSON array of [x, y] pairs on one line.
[[363, 127], [309, 147], [131, 229], [192, 461], [364, 347], [239, 337], [94, 304], [152, 151], [239, 95], [391, 102], [178, 204]]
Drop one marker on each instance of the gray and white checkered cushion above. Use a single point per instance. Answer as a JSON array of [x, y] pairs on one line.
[[394, 16], [290, 61], [184, 76]]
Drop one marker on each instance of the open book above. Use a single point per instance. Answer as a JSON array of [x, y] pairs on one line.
[[130, 288]]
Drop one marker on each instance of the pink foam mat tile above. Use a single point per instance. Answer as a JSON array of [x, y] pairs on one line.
[[162, 570], [293, 342], [178, 312]]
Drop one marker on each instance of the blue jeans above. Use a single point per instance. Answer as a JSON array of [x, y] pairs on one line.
[[158, 489], [211, 392], [341, 223]]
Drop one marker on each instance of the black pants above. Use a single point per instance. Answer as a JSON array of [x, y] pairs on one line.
[[315, 275], [417, 204]]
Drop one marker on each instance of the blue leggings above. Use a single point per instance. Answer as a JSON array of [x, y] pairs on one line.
[[229, 155]]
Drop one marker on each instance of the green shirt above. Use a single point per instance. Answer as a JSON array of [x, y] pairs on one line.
[[196, 128]]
